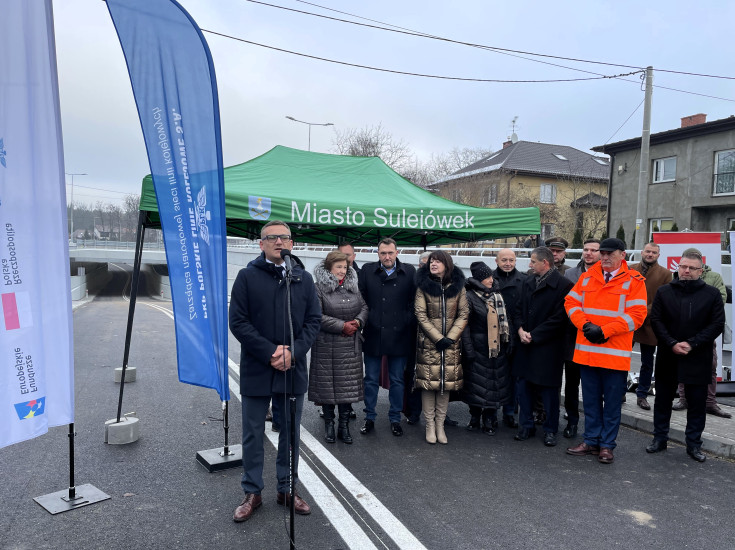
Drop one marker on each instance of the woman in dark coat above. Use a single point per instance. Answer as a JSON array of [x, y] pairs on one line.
[[335, 376], [486, 347], [441, 311]]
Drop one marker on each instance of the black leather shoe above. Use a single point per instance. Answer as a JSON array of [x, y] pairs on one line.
[[524, 433], [509, 421], [353, 415], [449, 422], [570, 431], [329, 431], [395, 428], [488, 429], [412, 420], [367, 427], [474, 424], [656, 446], [550, 439], [696, 453]]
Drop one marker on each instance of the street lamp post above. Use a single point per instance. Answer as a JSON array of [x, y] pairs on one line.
[[72, 202], [310, 124]]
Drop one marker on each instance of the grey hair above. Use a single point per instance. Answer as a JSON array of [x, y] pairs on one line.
[[543, 253]]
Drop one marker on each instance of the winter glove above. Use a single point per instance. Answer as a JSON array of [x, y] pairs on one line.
[[350, 328], [444, 343], [594, 333]]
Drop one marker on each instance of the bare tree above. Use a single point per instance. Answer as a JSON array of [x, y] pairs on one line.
[[374, 141], [131, 206]]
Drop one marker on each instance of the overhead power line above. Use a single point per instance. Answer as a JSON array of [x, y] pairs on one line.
[[402, 30], [423, 75], [105, 190]]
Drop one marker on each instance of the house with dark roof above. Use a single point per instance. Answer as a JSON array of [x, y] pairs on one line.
[[568, 185], [691, 178]]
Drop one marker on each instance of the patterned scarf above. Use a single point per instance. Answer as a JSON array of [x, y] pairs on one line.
[[645, 266], [541, 278], [498, 328]]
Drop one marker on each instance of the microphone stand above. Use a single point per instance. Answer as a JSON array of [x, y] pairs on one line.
[[292, 407]]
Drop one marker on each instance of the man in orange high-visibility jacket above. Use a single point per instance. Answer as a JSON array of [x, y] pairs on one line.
[[607, 304]]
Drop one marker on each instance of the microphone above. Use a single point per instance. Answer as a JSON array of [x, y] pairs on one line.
[[286, 256]]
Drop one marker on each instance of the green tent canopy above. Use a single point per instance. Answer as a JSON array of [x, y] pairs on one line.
[[327, 199]]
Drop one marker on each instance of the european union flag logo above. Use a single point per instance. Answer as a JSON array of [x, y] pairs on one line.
[[31, 408]]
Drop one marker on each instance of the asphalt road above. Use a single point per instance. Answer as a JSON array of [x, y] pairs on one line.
[[380, 492]]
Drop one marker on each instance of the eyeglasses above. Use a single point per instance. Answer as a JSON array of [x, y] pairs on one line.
[[274, 238], [689, 267]]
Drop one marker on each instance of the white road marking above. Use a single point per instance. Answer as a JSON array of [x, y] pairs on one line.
[[390, 523], [159, 308]]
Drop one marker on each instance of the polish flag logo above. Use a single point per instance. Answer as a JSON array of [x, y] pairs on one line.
[[17, 310]]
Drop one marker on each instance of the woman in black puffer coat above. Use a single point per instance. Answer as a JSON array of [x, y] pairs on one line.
[[487, 378], [336, 373]]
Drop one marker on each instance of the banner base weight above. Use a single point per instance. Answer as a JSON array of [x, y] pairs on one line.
[[214, 460], [58, 502], [123, 432]]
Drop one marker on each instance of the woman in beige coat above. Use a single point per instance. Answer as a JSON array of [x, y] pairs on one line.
[[442, 313]]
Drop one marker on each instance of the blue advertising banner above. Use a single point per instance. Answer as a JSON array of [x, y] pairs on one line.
[[175, 89]]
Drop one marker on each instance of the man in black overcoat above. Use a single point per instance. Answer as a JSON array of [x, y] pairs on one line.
[[258, 320], [389, 290], [686, 316], [538, 363]]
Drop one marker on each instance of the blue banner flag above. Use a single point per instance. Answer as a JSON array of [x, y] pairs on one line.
[[175, 89]]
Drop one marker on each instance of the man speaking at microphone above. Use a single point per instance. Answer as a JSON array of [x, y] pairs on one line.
[[258, 319]]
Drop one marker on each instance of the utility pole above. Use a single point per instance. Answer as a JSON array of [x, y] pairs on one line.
[[71, 204], [641, 231]]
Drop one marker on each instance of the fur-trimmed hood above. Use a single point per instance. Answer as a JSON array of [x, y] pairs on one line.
[[432, 287], [326, 282]]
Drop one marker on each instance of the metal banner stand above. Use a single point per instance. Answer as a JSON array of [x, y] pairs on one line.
[[222, 458], [74, 497]]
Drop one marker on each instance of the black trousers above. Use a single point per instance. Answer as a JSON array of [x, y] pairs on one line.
[[571, 391], [696, 410], [343, 408]]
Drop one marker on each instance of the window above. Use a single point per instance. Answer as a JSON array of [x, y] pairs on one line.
[[664, 170], [492, 195], [725, 172], [560, 156], [547, 230], [659, 224], [579, 221], [548, 193]]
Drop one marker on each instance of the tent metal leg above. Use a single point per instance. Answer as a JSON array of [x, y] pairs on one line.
[[131, 309]]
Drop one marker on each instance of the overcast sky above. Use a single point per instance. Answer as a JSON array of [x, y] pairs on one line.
[[259, 87]]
